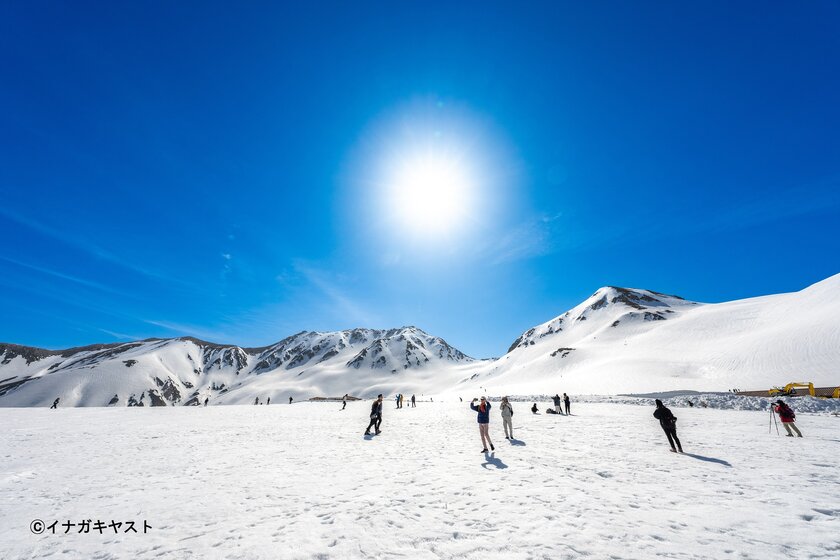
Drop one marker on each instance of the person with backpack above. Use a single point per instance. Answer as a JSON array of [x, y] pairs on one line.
[[787, 416], [483, 410], [375, 416], [556, 399], [669, 424], [507, 417]]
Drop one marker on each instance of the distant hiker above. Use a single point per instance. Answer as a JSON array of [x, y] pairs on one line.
[[556, 399], [290, 400], [483, 410], [375, 416], [343, 402], [413, 402], [507, 417], [206, 400], [786, 415], [534, 409], [568, 402], [669, 423], [459, 398], [397, 400], [256, 400], [55, 403], [268, 402], [691, 404]]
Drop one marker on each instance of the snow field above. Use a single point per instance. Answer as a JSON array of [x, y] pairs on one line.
[[301, 481]]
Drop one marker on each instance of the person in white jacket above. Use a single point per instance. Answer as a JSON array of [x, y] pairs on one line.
[[507, 417]]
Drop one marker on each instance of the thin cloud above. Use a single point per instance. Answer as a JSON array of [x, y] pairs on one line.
[[86, 246], [530, 239], [68, 277], [344, 305]]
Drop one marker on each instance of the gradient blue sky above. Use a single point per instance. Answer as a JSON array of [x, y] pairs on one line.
[[215, 169]]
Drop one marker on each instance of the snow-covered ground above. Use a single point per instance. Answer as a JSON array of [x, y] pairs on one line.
[[301, 481]]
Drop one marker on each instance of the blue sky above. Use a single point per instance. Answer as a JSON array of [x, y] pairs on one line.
[[223, 171]]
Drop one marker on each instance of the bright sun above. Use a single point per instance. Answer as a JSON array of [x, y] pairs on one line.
[[430, 195]]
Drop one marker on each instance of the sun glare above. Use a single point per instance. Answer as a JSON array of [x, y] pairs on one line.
[[430, 195]]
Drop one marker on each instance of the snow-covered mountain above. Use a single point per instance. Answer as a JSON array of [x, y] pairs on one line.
[[187, 370], [619, 340], [630, 340]]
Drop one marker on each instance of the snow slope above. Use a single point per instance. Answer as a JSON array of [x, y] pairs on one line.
[[622, 340], [301, 481], [187, 371]]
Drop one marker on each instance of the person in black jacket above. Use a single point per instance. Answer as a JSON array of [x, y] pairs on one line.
[[669, 423], [375, 415]]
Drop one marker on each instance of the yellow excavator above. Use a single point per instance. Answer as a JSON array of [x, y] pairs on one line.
[[836, 393], [789, 390]]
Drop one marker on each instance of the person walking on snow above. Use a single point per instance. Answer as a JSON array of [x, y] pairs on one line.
[[669, 423], [413, 402], [568, 402], [55, 403], [483, 410], [375, 416], [787, 416], [556, 399], [344, 402], [507, 417]]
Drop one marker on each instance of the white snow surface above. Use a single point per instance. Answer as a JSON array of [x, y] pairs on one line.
[[301, 481]]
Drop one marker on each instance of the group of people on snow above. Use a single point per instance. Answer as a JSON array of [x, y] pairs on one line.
[[400, 398]]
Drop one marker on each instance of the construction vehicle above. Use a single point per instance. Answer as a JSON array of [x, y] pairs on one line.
[[836, 393], [789, 390]]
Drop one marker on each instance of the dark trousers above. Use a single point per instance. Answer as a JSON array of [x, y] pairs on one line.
[[568, 409], [671, 432], [374, 422]]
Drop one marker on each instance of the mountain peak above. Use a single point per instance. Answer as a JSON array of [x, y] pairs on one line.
[[608, 307]]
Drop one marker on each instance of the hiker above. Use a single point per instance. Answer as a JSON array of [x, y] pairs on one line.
[[568, 402], [55, 403], [556, 399], [375, 415], [256, 400], [534, 409], [343, 402], [669, 423], [413, 402], [483, 410], [787, 416], [507, 417], [290, 400], [397, 400], [206, 400], [268, 402]]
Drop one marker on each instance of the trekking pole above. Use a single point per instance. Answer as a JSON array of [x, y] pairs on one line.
[[773, 415]]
